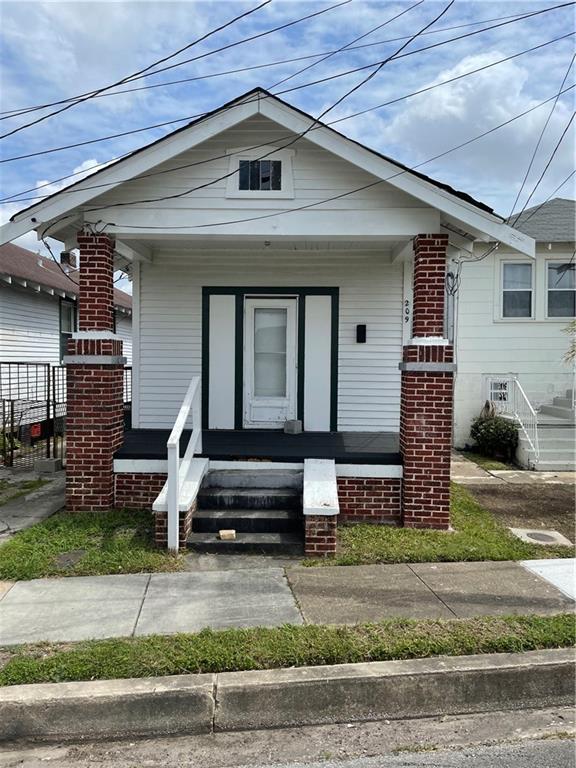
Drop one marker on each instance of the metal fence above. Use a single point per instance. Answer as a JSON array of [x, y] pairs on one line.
[[33, 414]]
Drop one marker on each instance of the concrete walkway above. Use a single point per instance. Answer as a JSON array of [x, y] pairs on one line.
[[467, 472], [33, 507], [82, 608]]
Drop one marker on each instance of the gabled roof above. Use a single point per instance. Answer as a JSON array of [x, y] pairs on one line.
[[552, 222], [20, 263], [458, 208]]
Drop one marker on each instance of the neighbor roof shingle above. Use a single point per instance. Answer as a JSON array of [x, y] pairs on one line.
[[553, 222], [22, 263]]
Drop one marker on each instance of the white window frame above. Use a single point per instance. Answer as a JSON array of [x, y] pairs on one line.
[[262, 153], [554, 318], [501, 316]]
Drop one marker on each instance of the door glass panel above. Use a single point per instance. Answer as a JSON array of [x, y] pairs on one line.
[[270, 326]]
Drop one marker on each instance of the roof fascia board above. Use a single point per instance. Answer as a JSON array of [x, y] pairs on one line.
[[143, 161], [364, 158]]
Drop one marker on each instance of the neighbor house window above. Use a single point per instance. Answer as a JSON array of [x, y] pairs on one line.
[[516, 290], [67, 324], [561, 289], [260, 175]]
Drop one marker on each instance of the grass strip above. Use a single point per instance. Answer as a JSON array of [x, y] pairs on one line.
[[286, 646], [477, 535], [120, 541]]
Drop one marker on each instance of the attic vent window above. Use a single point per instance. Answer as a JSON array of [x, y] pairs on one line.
[[253, 177], [260, 175]]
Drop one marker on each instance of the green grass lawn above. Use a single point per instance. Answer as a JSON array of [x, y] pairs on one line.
[[287, 646], [485, 462], [85, 544], [476, 536]]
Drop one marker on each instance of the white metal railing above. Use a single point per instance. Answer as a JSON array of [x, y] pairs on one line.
[[512, 401], [177, 470]]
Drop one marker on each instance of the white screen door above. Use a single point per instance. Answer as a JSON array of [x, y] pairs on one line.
[[270, 362]]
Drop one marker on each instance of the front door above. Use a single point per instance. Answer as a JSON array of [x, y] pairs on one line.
[[270, 362]]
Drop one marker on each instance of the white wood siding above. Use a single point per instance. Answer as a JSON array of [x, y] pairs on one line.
[[29, 327], [317, 175], [486, 345], [170, 326], [124, 331]]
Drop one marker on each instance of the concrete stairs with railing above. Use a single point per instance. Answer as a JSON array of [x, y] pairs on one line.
[[556, 437], [264, 508]]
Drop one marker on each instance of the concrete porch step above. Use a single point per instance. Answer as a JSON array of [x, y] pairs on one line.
[[555, 466], [250, 498], [560, 413], [269, 543], [563, 402], [248, 520]]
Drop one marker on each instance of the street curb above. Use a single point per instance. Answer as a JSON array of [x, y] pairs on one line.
[[287, 697]]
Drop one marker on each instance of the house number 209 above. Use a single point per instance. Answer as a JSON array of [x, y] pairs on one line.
[[406, 311]]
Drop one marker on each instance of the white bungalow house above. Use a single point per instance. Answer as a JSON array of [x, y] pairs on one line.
[[38, 308], [510, 337], [291, 366]]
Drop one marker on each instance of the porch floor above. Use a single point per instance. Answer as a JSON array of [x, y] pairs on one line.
[[223, 445]]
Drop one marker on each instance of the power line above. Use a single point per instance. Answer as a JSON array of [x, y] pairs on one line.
[[405, 169], [552, 156], [298, 137], [22, 110], [540, 137], [284, 91], [142, 73], [550, 196], [258, 146]]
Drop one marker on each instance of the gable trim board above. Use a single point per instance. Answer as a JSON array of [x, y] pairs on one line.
[[229, 411], [477, 218]]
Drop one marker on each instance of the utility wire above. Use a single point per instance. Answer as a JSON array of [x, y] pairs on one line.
[[345, 47], [540, 137], [298, 137], [550, 196], [284, 91], [22, 110], [404, 170], [552, 156], [142, 73], [258, 146]]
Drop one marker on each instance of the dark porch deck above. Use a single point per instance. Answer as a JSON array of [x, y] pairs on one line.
[[268, 445]]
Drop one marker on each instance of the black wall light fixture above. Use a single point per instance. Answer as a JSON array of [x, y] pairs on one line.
[[361, 334]]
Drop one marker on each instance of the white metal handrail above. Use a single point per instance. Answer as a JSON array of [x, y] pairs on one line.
[[514, 402], [177, 470]]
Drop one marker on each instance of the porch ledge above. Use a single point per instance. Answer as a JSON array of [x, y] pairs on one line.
[[94, 360], [320, 487], [430, 367]]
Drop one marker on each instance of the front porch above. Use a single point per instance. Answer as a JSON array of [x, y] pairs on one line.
[[380, 448]]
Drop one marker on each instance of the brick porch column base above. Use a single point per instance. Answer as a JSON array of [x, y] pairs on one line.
[[94, 421], [426, 435], [184, 528], [320, 535]]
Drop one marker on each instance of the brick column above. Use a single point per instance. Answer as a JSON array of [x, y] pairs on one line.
[[426, 399], [95, 371]]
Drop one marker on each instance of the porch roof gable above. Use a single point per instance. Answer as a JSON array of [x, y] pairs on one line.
[[458, 208]]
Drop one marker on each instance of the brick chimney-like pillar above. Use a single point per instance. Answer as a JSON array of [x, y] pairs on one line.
[[95, 372], [426, 400]]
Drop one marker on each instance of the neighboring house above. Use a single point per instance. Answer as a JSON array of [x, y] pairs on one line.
[[511, 318], [284, 276], [38, 308]]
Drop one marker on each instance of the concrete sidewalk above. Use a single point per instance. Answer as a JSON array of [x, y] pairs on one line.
[[82, 608]]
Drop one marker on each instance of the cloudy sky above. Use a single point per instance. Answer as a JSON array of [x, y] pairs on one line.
[[55, 50]]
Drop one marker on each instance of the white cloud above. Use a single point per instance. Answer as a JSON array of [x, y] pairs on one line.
[[44, 188]]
